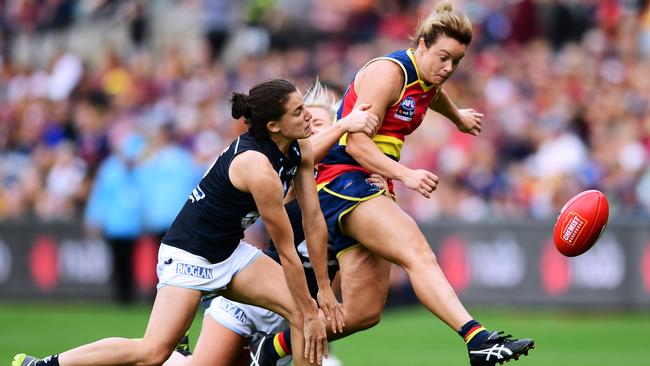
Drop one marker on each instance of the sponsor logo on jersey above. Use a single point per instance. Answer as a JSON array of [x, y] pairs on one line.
[[196, 195], [233, 310], [572, 228], [194, 271], [406, 109]]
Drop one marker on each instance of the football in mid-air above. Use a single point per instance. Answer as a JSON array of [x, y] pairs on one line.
[[581, 222]]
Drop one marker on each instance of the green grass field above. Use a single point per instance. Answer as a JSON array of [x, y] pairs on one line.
[[407, 336]]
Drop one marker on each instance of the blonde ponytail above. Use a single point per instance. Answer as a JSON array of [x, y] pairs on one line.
[[444, 21]]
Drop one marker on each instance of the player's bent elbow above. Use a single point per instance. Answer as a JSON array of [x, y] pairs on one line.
[[353, 150]]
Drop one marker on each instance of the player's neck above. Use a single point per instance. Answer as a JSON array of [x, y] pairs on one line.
[[282, 143], [417, 58]]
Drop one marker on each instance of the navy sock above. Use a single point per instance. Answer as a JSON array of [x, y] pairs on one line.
[[278, 346], [473, 333], [52, 360]]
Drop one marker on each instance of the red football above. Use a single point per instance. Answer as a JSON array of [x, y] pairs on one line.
[[581, 222]]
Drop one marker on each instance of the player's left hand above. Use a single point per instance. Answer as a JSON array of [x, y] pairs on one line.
[[470, 121], [332, 309]]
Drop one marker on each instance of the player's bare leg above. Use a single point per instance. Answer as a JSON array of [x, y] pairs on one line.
[[251, 286], [172, 313], [364, 287], [390, 233], [384, 229], [228, 351]]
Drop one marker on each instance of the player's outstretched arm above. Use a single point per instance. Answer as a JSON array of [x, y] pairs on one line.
[[265, 186], [359, 120], [315, 231], [381, 92], [467, 120]]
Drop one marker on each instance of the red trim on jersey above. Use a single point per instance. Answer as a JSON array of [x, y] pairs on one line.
[[327, 172]]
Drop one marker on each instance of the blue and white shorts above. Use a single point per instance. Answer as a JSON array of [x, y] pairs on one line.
[[245, 319], [177, 267]]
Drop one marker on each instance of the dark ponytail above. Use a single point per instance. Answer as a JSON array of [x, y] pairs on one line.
[[240, 106], [265, 102]]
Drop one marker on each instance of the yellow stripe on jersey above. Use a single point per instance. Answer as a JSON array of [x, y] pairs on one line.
[[389, 145], [424, 85]]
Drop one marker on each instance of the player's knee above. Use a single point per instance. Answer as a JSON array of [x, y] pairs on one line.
[[363, 317], [294, 317], [419, 254], [416, 252], [153, 355], [367, 320]]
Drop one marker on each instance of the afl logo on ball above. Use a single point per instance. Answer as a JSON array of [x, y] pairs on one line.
[[406, 109]]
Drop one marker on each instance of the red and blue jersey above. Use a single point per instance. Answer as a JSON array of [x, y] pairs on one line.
[[400, 120]]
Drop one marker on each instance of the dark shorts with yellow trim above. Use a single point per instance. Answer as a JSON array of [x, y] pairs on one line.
[[338, 198]]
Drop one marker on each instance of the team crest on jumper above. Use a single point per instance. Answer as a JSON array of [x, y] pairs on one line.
[[406, 109]]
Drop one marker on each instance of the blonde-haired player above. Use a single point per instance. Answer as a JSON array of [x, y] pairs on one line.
[[367, 228]]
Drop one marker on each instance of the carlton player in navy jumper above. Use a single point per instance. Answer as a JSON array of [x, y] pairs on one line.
[[203, 251], [228, 324], [366, 227]]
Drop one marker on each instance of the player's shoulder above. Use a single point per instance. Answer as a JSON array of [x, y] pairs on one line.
[[251, 158], [380, 78], [387, 67], [251, 169]]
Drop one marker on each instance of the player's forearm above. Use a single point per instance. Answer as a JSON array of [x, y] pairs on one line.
[[316, 237], [295, 277], [445, 106], [294, 274], [323, 141], [368, 155]]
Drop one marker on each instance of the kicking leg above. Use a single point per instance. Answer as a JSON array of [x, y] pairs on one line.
[[386, 230], [389, 232]]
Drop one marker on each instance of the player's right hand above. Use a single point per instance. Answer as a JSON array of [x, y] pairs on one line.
[[361, 120], [315, 339], [421, 181]]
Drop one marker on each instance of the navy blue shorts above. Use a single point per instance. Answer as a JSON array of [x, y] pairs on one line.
[[341, 196]]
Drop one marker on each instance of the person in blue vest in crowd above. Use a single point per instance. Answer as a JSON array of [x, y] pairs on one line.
[[114, 211], [166, 172], [164, 176]]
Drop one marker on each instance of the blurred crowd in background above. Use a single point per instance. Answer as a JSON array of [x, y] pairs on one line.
[[112, 110]]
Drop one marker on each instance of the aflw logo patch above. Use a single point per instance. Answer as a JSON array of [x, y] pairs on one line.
[[572, 227], [406, 109], [195, 271]]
